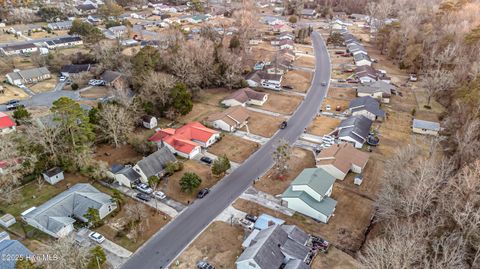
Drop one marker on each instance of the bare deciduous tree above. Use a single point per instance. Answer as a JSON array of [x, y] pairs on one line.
[[115, 123], [65, 253]]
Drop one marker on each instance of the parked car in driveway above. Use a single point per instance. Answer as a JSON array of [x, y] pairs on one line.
[[287, 87], [159, 195], [204, 265], [206, 160], [96, 237], [202, 193], [246, 224], [143, 196], [144, 188], [251, 218], [62, 79]]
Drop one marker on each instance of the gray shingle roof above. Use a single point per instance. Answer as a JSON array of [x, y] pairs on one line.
[[367, 103], [110, 76], [360, 56], [12, 248], [53, 171], [74, 202], [155, 162], [296, 264], [129, 173], [357, 127], [376, 86], [30, 73], [296, 234]]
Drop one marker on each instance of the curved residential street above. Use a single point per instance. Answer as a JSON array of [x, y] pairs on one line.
[[168, 243]]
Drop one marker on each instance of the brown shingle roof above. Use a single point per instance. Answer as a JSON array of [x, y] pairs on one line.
[[233, 116], [342, 156], [245, 94]]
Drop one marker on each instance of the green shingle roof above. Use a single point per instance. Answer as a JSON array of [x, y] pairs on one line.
[[317, 179], [326, 206]]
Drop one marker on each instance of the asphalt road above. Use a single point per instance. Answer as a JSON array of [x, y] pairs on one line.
[[164, 247]]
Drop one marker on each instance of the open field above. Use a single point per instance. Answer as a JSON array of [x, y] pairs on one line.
[[44, 86], [171, 186], [304, 49], [96, 92], [262, 124], [322, 125], [298, 79], [305, 61], [237, 149], [11, 92], [220, 244], [116, 228], [199, 112], [122, 155], [300, 160], [213, 96], [282, 103]]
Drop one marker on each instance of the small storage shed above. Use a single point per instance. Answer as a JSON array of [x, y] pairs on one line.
[[53, 175]]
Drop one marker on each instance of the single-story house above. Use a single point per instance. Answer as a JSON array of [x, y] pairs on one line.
[[63, 42], [276, 246], [70, 69], [339, 159], [245, 96], [12, 251], [85, 9], [24, 29], [56, 216], [7, 220], [19, 49], [115, 32], [28, 76], [264, 79], [368, 107], [229, 120], [61, 25], [425, 127], [7, 125], [379, 90], [309, 194], [112, 78], [354, 130], [308, 13], [53, 175], [362, 59], [278, 67], [154, 164], [366, 74], [125, 175], [149, 122], [187, 140]]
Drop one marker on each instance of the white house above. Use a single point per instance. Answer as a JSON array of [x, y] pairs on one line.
[[379, 90], [309, 194], [339, 159], [19, 49], [368, 107], [125, 175], [245, 96], [264, 79], [362, 59], [425, 127], [355, 130], [53, 175], [229, 120]]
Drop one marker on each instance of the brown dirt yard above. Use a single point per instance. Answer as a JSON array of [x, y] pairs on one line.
[[334, 259], [11, 92], [345, 229], [213, 96], [171, 186], [96, 92], [199, 112], [114, 227], [304, 49], [220, 244], [262, 124], [44, 86], [300, 80], [121, 155], [322, 125], [237, 149], [342, 93], [300, 160], [305, 61], [282, 103]]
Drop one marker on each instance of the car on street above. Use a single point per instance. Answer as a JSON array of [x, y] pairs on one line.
[[283, 125], [96, 237], [324, 83], [143, 196], [204, 265], [144, 188], [159, 195], [11, 102], [206, 160], [251, 218], [202, 193]]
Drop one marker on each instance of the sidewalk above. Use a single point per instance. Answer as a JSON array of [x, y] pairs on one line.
[[249, 136], [266, 200], [275, 114]]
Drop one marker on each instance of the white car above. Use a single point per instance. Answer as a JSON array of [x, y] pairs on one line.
[[328, 108], [246, 224], [159, 195], [96, 237], [144, 188], [62, 79]]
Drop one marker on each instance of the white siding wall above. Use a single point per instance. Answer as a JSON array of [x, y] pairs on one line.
[[365, 113], [332, 170], [232, 102], [301, 207]]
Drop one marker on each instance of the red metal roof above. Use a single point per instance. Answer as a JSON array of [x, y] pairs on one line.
[[5, 121]]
